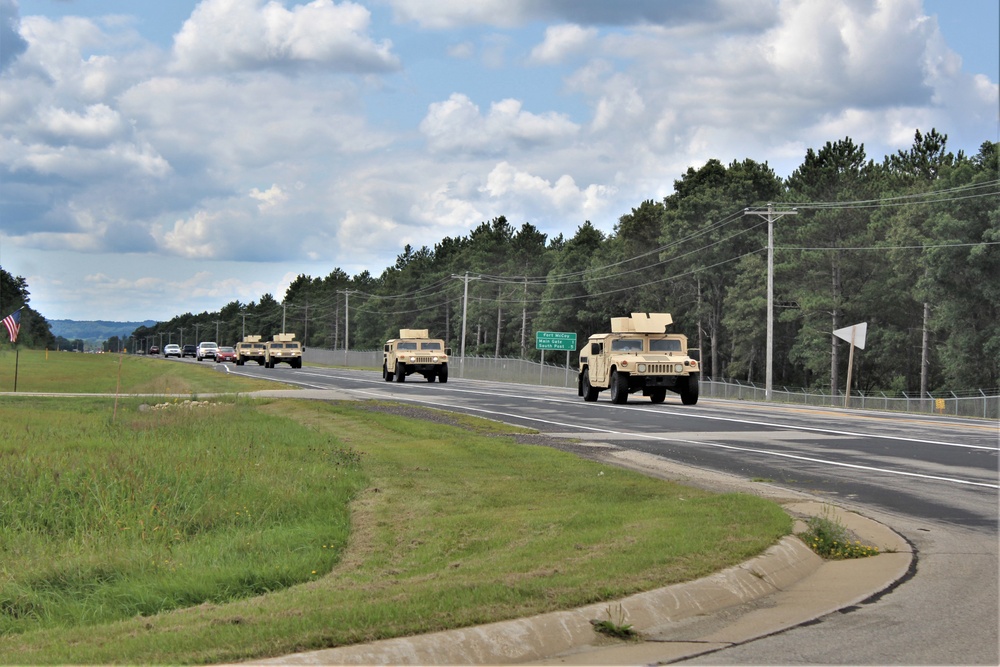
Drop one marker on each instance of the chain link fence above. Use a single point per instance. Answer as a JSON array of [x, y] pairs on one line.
[[977, 403]]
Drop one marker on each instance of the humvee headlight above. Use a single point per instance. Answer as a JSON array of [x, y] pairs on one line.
[[641, 368], [678, 368], [434, 359], [413, 359]]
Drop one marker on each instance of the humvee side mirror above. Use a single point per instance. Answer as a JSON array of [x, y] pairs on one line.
[[385, 348], [447, 351]]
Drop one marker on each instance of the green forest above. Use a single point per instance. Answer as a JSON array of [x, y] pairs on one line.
[[910, 245]]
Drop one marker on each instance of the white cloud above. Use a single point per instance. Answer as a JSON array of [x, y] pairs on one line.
[[269, 198], [509, 184], [99, 123], [444, 14], [226, 35], [562, 41], [456, 125], [194, 238]]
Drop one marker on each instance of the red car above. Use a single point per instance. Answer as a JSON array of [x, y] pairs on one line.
[[225, 354]]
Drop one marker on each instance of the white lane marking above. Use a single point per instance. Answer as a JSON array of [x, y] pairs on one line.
[[719, 445]]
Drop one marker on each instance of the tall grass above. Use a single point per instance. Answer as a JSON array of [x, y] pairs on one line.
[[163, 510]]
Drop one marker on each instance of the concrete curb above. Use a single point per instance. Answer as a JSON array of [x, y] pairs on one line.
[[786, 586]]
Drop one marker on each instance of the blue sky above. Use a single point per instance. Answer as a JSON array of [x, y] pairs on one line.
[[145, 147]]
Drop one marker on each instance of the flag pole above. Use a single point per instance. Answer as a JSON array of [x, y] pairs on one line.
[[17, 360]]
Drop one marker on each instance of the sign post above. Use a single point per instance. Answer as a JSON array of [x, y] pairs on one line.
[[554, 340], [855, 335]]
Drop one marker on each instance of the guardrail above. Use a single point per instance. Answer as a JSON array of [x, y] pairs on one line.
[[978, 404]]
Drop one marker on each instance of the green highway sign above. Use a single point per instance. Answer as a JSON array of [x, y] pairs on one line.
[[555, 340]]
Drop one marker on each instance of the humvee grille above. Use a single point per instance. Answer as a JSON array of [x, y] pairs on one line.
[[661, 369], [423, 360]]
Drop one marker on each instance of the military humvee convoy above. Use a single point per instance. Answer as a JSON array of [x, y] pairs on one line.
[[638, 356], [415, 352]]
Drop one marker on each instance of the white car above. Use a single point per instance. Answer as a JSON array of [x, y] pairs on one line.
[[172, 350], [206, 350]]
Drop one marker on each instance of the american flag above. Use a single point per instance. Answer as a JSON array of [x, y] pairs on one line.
[[13, 324]]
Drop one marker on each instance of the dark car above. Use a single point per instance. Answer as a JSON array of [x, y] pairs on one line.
[[190, 351], [153, 349], [225, 354]]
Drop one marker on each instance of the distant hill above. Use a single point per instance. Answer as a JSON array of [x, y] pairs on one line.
[[97, 330]]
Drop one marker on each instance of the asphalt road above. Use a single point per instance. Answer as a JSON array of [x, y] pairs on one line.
[[934, 479]]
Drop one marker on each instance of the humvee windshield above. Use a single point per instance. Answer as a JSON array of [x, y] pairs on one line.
[[406, 346], [430, 346], [626, 345], [668, 345]]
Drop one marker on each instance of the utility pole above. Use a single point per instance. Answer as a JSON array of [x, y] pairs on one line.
[[282, 318], [347, 320], [465, 310], [217, 330], [770, 215]]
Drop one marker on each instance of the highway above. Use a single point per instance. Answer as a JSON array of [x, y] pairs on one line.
[[933, 479]]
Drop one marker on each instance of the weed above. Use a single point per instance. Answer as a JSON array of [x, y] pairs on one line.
[[615, 624], [829, 538]]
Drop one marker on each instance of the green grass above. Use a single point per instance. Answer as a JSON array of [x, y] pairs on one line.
[[71, 372]]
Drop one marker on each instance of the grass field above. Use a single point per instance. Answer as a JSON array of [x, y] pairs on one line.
[[250, 528], [65, 372]]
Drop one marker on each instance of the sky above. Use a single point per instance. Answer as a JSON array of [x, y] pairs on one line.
[[160, 158]]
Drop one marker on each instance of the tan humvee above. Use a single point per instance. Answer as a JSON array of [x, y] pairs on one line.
[[283, 348], [638, 355], [415, 352], [250, 349]]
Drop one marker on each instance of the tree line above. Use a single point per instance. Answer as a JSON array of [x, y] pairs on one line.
[[910, 245]]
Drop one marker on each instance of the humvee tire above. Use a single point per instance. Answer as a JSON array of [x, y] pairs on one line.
[[400, 372], [619, 387], [588, 391], [443, 374], [657, 394], [689, 392]]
